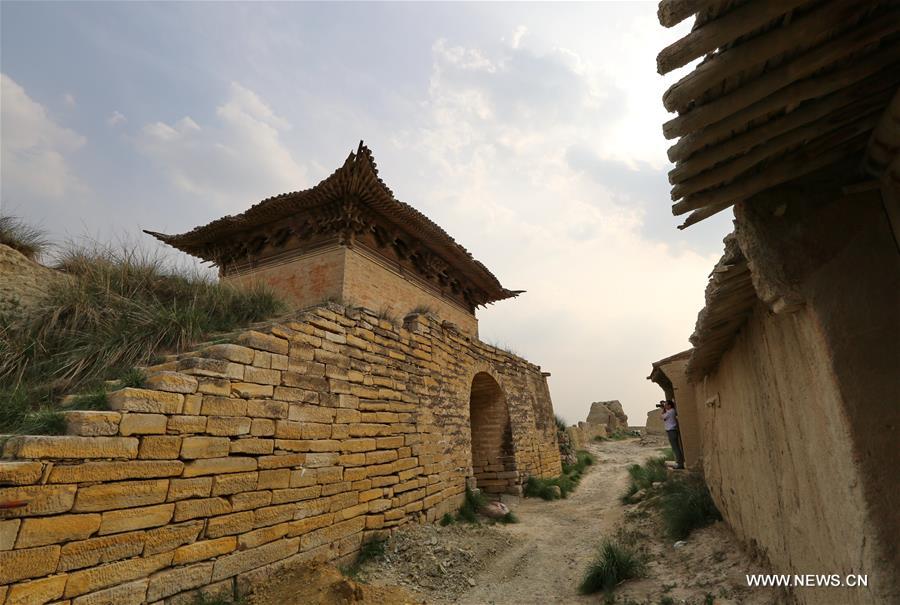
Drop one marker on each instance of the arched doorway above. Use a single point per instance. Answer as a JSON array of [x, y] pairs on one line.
[[493, 460]]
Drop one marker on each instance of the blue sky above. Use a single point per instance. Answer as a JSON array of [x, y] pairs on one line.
[[530, 132]]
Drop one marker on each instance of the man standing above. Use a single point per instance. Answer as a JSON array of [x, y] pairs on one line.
[[670, 420]]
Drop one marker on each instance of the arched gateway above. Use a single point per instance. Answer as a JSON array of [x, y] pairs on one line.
[[493, 460]]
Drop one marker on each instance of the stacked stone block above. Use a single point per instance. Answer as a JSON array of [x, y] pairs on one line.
[[289, 445]]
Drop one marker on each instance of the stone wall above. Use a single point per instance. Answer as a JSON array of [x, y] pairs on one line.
[[654, 425], [289, 444]]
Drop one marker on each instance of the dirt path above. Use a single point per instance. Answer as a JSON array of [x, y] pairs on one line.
[[555, 540]]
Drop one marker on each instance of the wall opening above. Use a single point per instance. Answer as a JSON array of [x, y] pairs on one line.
[[493, 459]]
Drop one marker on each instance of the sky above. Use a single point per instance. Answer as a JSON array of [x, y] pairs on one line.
[[530, 132]]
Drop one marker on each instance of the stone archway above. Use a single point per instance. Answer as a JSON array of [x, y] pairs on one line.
[[493, 458]]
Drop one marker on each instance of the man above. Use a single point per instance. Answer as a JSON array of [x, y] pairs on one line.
[[670, 420]]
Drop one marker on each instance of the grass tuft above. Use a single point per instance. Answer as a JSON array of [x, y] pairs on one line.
[[615, 563], [474, 501], [687, 505], [536, 487], [560, 423], [508, 518], [30, 241], [448, 519], [644, 476], [120, 309]]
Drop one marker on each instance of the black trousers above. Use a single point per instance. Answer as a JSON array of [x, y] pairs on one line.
[[675, 442]]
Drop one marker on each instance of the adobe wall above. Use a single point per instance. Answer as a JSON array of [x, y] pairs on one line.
[[800, 419], [354, 276], [288, 446], [688, 420], [372, 282]]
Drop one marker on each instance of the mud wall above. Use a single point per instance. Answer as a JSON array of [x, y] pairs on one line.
[[288, 445], [799, 422]]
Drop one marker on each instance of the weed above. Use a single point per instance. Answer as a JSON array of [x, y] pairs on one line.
[[644, 476], [18, 416], [30, 241], [666, 600], [667, 454], [447, 519], [134, 378], [119, 309], [92, 400], [474, 501], [508, 518], [371, 550], [614, 563], [687, 505], [709, 599], [560, 423], [536, 487], [421, 310]]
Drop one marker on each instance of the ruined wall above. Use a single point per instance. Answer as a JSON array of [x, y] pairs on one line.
[[799, 422], [688, 420], [287, 446], [654, 424]]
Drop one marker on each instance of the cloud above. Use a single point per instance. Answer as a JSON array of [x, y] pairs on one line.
[[230, 163], [525, 168], [35, 149], [69, 99], [116, 118]]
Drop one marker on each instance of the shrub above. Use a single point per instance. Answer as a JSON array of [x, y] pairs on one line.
[[614, 563], [509, 517], [644, 476], [474, 501], [687, 505], [535, 487], [18, 416], [560, 423], [30, 241], [120, 310], [667, 454], [447, 519]]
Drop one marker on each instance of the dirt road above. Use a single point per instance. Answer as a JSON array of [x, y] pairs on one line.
[[555, 540]]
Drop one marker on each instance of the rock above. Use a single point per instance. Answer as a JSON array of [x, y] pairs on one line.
[[654, 424], [471, 581], [495, 510], [556, 491], [679, 544]]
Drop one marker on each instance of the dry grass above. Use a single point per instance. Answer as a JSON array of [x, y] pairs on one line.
[[30, 241]]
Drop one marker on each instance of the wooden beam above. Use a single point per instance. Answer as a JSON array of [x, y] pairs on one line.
[[884, 145], [886, 59], [865, 114], [704, 213], [673, 12], [770, 82], [818, 154], [812, 26], [720, 31], [874, 90]]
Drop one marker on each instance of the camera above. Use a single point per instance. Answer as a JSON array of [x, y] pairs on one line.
[[661, 404]]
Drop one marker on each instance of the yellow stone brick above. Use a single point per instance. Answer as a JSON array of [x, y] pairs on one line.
[[197, 487], [160, 447], [20, 473], [27, 563], [41, 499], [37, 592], [228, 425], [332, 533], [142, 424], [187, 425], [235, 563], [295, 395], [205, 447], [234, 483], [381, 456], [68, 446], [266, 408], [170, 537], [262, 359], [92, 423], [217, 368], [279, 362], [88, 580], [8, 532], [340, 431], [131, 593], [200, 508], [271, 515], [51, 530], [358, 445], [281, 496], [281, 461], [90, 472], [311, 413], [223, 406], [126, 494], [171, 581], [230, 352], [250, 390], [262, 375], [145, 400], [356, 474], [229, 525], [258, 537], [321, 459], [214, 386], [274, 479], [263, 342], [262, 427], [171, 382], [87, 553], [207, 549], [250, 500], [216, 466], [116, 521], [252, 446]]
